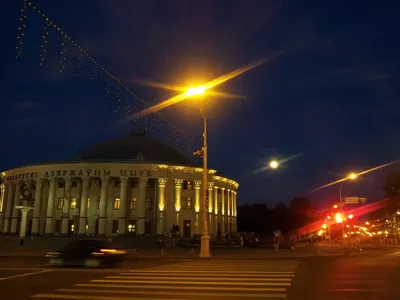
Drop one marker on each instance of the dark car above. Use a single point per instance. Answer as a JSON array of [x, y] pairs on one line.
[[89, 253]]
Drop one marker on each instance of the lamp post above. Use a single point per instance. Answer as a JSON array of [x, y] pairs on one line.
[[351, 176], [205, 238]]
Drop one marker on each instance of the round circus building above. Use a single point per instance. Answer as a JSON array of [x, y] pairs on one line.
[[130, 185]]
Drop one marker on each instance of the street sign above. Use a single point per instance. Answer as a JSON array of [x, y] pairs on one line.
[[363, 200], [354, 200], [351, 200]]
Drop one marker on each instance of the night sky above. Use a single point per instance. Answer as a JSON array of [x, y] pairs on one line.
[[329, 94]]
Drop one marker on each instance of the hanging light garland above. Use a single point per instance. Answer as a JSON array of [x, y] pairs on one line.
[[150, 122], [107, 89], [21, 30], [44, 43], [79, 65], [63, 55]]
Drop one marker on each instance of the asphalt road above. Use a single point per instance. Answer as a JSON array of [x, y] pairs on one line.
[[356, 277]]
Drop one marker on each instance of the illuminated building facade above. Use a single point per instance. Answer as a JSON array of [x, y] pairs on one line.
[[130, 185]]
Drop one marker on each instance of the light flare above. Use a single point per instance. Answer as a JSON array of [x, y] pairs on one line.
[[355, 175], [181, 89], [211, 84]]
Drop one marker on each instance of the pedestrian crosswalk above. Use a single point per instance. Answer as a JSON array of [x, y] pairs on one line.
[[176, 283]]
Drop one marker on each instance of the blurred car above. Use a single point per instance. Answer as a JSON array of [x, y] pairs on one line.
[[87, 253]]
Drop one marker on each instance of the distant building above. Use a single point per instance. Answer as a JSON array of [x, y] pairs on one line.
[[129, 185]]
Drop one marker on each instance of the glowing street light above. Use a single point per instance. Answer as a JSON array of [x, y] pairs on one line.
[[273, 164], [352, 176], [195, 91]]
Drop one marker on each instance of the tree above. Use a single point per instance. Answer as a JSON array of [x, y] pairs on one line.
[[254, 218], [392, 184], [301, 212], [280, 218]]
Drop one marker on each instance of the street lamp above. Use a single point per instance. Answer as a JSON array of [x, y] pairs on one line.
[[351, 176], [273, 164], [205, 238]]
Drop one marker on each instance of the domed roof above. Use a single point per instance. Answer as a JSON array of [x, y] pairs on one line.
[[135, 147]]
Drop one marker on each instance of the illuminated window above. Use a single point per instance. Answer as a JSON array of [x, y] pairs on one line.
[[132, 204], [117, 203], [186, 203], [187, 185], [131, 228], [60, 202], [88, 203], [149, 202], [73, 203]]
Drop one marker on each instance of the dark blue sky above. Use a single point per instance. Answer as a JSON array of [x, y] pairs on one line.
[[331, 93]]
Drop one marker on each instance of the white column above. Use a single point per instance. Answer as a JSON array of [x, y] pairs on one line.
[[141, 206], [15, 212], [223, 211], [235, 212], [161, 205], [36, 207], [2, 205], [7, 220], [216, 210], [24, 217], [123, 206], [83, 206], [178, 197], [229, 206], [66, 206], [50, 207], [197, 185], [210, 207], [2, 195], [105, 181]]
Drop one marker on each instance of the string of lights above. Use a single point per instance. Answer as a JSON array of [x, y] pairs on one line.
[[44, 42], [21, 30], [148, 122]]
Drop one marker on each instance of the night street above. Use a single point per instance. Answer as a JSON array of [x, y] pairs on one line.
[[354, 277]]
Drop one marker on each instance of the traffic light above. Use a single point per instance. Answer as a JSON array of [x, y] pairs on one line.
[[338, 218]]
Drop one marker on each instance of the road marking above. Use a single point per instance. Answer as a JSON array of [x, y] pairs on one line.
[[177, 293], [201, 278], [357, 290], [23, 269], [24, 275], [194, 282], [158, 287], [182, 284], [90, 297], [209, 274]]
